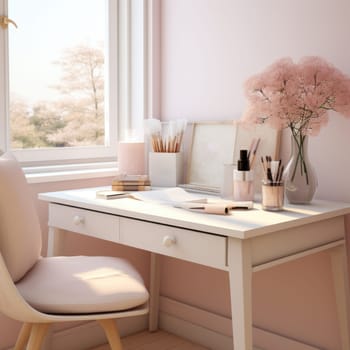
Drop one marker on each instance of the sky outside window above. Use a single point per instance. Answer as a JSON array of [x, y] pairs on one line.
[[56, 71], [45, 29]]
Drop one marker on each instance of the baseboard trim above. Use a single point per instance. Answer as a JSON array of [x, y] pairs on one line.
[[194, 333], [199, 326], [269, 340], [214, 331], [83, 336], [89, 335]]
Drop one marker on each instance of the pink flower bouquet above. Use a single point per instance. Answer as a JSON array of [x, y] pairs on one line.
[[297, 96]]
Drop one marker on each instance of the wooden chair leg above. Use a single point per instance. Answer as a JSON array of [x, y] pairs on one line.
[[23, 337], [37, 335], [112, 334]]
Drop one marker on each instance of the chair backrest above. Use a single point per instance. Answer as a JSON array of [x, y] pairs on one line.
[[20, 233]]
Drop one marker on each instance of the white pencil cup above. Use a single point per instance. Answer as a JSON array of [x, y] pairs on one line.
[[165, 169]]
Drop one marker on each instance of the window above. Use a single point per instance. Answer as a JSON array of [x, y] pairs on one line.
[[69, 85]]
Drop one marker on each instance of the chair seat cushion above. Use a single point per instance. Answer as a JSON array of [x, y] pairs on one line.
[[82, 284]]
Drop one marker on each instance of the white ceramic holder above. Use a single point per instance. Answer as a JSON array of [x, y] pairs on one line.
[[165, 169]]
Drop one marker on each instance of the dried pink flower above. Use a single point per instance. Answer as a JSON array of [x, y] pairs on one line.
[[297, 95]]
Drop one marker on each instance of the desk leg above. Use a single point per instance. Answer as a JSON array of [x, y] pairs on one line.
[[154, 292], [240, 270], [55, 241], [341, 287]]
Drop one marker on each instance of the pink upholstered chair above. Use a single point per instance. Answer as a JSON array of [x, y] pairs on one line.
[[39, 291]]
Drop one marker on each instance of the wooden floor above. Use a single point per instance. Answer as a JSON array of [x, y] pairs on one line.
[[159, 340]]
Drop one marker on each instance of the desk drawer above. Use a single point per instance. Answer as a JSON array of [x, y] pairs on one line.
[[87, 222], [281, 244], [179, 243]]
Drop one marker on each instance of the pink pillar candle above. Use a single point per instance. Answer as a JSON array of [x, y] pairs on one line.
[[131, 158]]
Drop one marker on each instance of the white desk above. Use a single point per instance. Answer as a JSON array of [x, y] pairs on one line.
[[241, 243]]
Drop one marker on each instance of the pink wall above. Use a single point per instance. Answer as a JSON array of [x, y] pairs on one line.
[[209, 47]]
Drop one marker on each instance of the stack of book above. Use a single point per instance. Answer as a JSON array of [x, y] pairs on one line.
[[131, 183]]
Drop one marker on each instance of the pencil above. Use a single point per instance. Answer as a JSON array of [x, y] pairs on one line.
[[252, 158]]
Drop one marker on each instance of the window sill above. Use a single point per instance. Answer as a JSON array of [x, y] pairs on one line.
[[69, 172]]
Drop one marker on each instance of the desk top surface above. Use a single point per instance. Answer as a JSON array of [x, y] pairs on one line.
[[241, 224]]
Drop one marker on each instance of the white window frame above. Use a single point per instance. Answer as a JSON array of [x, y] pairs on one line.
[[127, 82]]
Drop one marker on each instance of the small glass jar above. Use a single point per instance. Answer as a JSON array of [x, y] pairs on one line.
[[272, 195], [243, 185]]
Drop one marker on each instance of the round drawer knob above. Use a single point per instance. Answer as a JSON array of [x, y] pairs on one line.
[[168, 241], [78, 220]]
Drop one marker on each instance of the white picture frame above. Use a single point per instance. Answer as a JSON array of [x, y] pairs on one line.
[[214, 144]]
